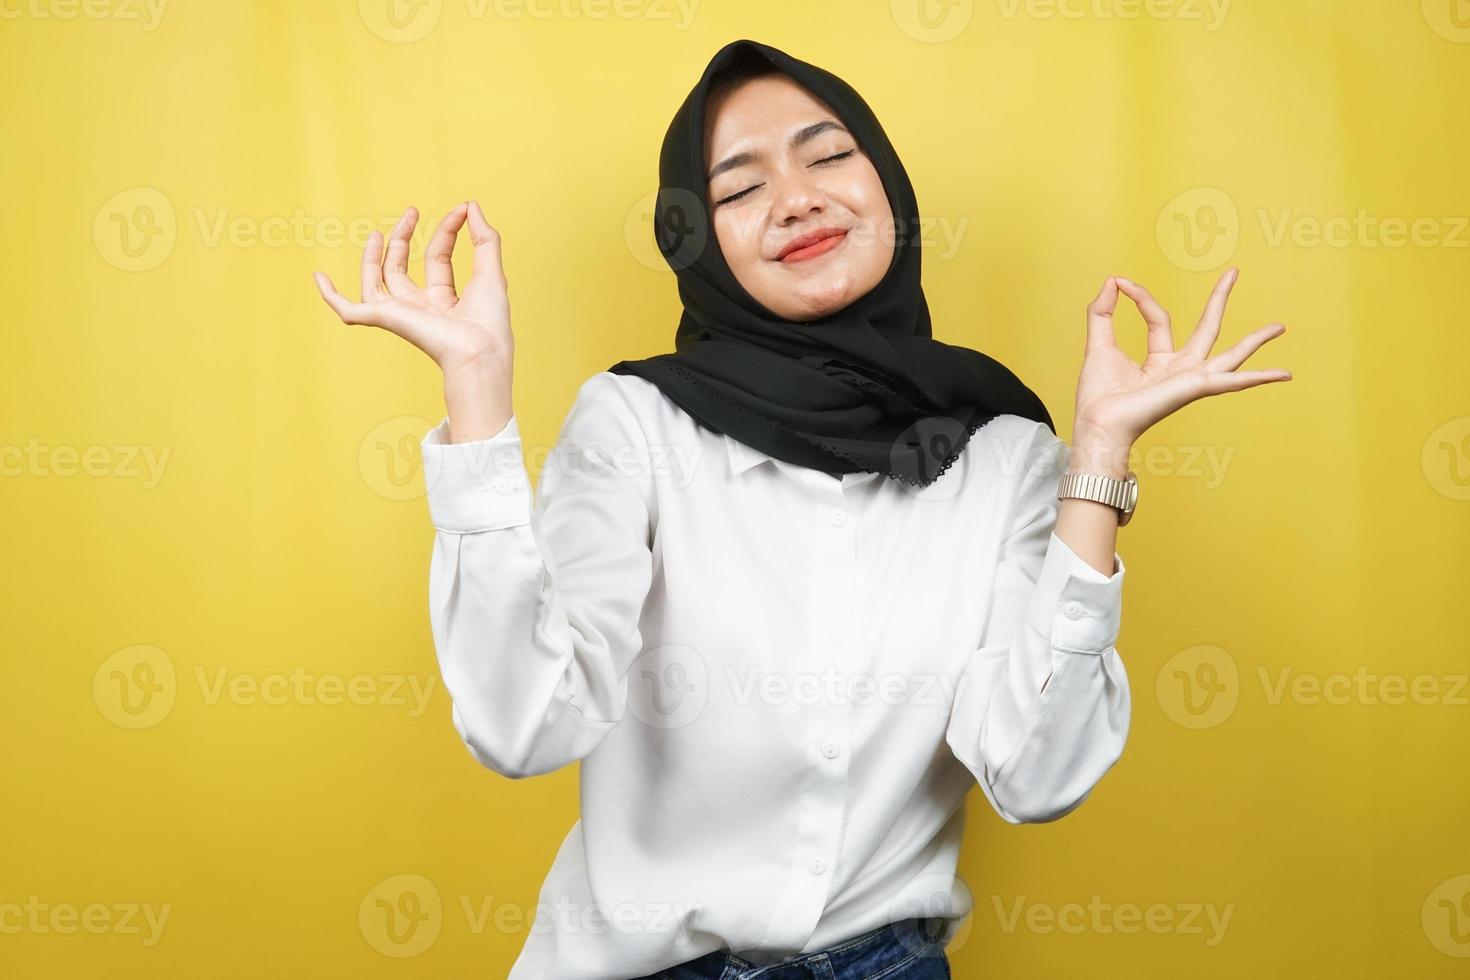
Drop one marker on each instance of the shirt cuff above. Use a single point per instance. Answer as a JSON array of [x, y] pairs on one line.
[[1077, 606], [476, 486]]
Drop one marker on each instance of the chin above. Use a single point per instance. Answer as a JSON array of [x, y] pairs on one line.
[[826, 300], [802, 296]]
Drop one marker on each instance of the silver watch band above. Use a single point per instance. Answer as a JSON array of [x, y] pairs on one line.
[[1122, 494]]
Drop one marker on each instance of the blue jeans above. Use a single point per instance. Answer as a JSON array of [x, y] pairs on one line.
[[907, 950]]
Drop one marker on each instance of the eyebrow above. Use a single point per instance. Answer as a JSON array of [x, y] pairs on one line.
[[802, 136]]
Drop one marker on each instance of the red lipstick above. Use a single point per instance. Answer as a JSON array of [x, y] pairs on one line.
[[809, 246]]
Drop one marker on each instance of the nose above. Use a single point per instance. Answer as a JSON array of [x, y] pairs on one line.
[[797, 196]]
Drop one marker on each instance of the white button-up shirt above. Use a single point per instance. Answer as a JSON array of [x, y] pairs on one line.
[[781, 684]]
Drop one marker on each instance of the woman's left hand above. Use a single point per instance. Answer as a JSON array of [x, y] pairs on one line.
[[1122, 399]]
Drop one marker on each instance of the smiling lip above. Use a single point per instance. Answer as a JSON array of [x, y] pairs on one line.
[[810, 246]]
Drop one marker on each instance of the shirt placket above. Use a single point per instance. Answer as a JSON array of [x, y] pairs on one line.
[[826, 729]]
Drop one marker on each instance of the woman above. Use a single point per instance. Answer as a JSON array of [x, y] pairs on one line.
[[791, 590]]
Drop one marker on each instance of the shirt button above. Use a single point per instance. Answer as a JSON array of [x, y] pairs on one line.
[[829, 749], [839, 517], [817, 866], [1074, 610]]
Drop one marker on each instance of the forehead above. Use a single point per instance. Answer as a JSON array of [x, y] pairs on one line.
[[759, 109]]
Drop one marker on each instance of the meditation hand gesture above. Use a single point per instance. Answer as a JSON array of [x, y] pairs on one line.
[[1117, 399], [467, 335]]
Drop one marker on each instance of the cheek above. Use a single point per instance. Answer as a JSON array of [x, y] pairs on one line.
[[865, 198], [877, 217], [866, 191], [740, 249]]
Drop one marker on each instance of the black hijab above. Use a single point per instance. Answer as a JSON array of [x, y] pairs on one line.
[[863, 389]]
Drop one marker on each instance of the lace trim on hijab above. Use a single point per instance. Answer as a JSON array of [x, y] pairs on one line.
[[822, 444]]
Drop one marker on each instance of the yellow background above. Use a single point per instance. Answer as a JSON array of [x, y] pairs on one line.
[[285, 533]]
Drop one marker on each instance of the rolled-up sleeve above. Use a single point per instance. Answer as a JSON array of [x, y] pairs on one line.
[[535, 599], [1043, 707]]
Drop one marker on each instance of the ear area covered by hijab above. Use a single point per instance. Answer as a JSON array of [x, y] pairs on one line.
[[863, 389]]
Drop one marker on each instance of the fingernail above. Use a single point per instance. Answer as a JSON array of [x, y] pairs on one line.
[[1126, 282]]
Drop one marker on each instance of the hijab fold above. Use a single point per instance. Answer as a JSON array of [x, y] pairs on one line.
[[863, 389]]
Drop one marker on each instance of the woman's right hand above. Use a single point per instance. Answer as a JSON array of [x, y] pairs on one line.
[[467, 335]]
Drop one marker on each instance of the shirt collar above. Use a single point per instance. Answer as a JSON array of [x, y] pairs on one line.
[[742, 457]]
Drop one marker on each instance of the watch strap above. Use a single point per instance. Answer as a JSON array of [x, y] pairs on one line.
[[1102, 489]]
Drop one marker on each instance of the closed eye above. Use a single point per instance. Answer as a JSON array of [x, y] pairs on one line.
[[736, 197]]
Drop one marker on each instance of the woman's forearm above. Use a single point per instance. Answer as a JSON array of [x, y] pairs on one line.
[[1090, 528], [477, 400]]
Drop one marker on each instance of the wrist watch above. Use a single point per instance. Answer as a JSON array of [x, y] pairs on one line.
[[1122, 494]]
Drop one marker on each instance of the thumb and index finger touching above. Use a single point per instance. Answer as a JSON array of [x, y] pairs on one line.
[[487, 272], [1160, 329]]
